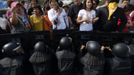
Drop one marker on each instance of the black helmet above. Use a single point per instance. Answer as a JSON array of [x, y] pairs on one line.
[[11, 48], [65, 42], [39, 46], [120, 50], [93, 47], [41, 53]]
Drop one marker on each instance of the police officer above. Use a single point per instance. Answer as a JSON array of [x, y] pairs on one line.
[[12, 63], [93, 60], [120, 64], [43, 60], [66, 57], [131, 46]]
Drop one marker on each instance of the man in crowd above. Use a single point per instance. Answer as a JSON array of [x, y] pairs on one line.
[[73, 12]]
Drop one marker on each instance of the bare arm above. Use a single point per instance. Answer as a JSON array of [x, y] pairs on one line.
[[80, 20]]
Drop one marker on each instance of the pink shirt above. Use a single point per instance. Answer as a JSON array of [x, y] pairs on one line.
[[8, 13]]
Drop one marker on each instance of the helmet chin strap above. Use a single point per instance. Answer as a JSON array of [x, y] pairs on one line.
[[19, 49]]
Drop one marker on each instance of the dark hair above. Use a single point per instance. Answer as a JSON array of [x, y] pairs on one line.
[[9, 2], [60, 3], [22, 2], [97, 2], [114, 1], [38, 7], [129, 8], [84, 4]]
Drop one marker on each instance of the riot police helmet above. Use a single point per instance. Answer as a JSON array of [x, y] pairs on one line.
[[120, 50], [39, 46], [65, 42], [93, 47], [12, 48]]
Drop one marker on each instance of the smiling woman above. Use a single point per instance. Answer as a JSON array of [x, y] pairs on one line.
[[87, 16]]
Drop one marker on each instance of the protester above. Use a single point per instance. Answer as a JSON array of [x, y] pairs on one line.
[[37, 19], [110, 16], [19, 19], [73, 13], [9, 11], [57, 16], [87, 16], [47, 23], [31, 6]]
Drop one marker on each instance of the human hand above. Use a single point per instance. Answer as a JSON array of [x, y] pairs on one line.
[[59, 11], [28, 26], [105, 47], [95, 19], [86, 20]]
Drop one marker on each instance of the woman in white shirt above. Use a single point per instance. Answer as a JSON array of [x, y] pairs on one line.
[[57, 16], [87, 16]]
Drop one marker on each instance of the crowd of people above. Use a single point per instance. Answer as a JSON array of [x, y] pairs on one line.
[[88, 15]]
